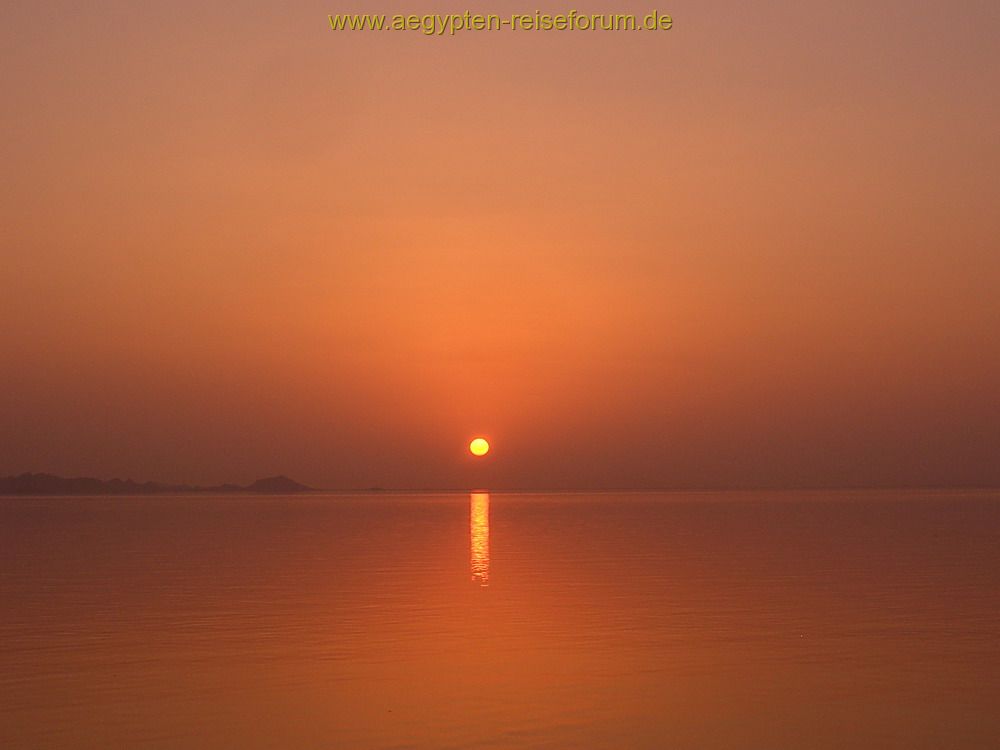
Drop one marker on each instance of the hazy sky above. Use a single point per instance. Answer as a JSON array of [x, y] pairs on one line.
[[760, 249]]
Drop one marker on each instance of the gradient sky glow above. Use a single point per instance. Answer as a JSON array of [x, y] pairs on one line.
[[761, 249]]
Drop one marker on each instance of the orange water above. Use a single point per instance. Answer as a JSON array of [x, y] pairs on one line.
[[711, 620]]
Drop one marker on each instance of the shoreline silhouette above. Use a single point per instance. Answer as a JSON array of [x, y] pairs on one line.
[[50, 484]]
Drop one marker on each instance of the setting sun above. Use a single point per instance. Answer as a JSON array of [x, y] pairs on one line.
[[479, 447]]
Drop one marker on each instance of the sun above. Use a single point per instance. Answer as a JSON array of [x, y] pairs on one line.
[[479, 447]]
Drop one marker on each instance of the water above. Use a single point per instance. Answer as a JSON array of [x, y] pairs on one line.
[[700, 620]]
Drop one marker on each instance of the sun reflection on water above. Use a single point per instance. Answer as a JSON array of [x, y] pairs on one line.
[[479, 537]]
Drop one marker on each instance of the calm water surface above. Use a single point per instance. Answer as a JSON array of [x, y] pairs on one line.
[[742, 620]]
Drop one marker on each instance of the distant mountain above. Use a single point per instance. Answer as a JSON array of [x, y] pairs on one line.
[[279, 485], [49, 484]]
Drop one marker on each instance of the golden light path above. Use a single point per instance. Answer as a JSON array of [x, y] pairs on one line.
[[479, 537], [479, 447]]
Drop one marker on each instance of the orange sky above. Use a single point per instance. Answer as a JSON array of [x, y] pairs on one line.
[[759, 249]]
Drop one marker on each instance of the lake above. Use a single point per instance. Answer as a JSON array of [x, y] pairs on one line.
[[612, 620]]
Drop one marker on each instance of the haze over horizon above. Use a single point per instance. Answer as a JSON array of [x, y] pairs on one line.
[[759, 250]]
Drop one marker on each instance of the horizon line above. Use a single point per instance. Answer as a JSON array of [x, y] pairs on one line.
[[233, 488]]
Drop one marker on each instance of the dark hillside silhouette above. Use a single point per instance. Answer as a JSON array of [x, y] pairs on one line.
[[49, 484]]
